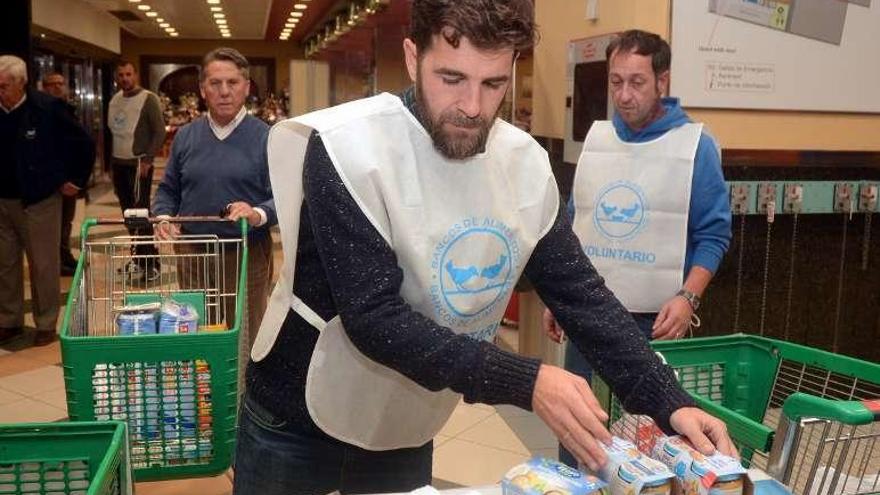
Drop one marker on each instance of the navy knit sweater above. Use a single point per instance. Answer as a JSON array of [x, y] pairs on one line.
[[204, 174], [344, 267]]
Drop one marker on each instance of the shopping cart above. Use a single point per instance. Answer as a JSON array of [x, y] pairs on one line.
[[70, 458], [177, 391], [808, 417]]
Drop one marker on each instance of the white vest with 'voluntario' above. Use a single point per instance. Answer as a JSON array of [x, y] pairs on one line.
[[462, 231], [631, 211]]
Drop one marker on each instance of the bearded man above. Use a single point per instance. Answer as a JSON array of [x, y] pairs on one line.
[[405, 222]]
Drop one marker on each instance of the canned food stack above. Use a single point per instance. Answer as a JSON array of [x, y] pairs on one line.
[[167, 404]]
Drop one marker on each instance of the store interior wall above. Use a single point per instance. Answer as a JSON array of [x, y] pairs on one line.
[[134, 48]]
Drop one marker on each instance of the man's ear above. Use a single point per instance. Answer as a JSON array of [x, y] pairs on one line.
[[411, 55], [663, 83]]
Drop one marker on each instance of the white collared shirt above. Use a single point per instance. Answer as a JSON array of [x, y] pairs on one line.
[[20, 103], [223, 131]]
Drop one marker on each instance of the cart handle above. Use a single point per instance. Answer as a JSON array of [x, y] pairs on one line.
[[155, 220], [800, 405], [141, 216]]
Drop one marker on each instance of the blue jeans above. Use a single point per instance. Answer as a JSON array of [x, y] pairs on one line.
[[273, 457], [577, 364]]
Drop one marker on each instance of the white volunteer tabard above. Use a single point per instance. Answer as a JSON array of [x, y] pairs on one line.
[[462, 232], [123, 114], [631, 211]]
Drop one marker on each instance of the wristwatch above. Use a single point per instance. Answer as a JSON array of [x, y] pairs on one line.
[[690, 297]]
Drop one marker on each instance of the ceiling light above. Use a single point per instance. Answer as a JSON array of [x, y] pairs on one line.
[[290, 25], [158, 19], [170, 30], [134, 1], [175, 34], [143, 7], [300, 6], [226, 35], [164, 25], [216, 9], [296, 14], [213, 2], [152, 14], [221, 22], [219, 15]]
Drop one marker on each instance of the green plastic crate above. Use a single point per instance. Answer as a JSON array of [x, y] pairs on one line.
[[177, 392], [755, 384], [88, 458]]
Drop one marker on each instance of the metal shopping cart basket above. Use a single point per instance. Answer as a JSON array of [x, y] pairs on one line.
[[176, 391], [65, 458], [808, 417]]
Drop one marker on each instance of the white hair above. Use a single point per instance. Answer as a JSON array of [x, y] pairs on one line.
[[14, 66]]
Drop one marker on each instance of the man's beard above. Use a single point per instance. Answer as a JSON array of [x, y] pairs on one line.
[[454, 147]]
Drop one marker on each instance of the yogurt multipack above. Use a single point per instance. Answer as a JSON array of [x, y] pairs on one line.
[[542, 476], [629, 472], [699, 474]]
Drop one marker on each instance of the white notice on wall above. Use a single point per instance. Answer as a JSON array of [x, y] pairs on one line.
[[815, 55], [739, 77]]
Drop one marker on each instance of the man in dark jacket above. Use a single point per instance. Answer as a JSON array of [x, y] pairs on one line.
[[49, 155], [55, 84]]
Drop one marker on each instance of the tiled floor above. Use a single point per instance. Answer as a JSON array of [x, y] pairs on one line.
[[475, 448]]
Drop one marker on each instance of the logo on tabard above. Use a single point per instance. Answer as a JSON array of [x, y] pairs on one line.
[[474, 269], [118, 120], [621, 211]]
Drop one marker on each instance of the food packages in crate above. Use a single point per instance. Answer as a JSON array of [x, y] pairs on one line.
[[541, 476], [136, 319], [696, 473], [638, 429], [699, 474], [178, 317], [629, 472]]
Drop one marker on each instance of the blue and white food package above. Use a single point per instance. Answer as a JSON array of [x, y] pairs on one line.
[[628, 471], [136, 319], [541, 476], [175, 317], [699, 474]]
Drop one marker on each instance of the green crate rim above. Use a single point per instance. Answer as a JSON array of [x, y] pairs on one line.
[[754, 435], [113, 463]]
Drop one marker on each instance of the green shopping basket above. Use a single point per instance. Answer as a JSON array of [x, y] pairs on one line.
[[177, 391], [809, 417], [87, 458]]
